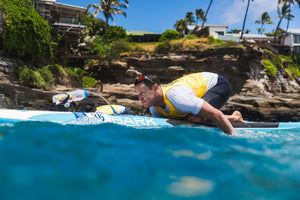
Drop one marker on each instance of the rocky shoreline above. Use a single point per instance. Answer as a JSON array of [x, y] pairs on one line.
[[258, 97]]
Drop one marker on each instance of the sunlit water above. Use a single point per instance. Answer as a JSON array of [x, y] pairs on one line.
[[44, 161]]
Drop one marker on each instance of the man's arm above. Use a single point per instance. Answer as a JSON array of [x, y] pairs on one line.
[[217, 117]]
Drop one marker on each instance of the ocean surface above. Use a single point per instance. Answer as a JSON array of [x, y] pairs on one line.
[[41, 160]]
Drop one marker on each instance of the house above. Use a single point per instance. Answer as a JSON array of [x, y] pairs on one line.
[[249, 37], [291, 38], [214, 30], [65, 18], [143, 36]]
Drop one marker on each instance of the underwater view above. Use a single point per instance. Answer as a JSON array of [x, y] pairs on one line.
[[41, 160]]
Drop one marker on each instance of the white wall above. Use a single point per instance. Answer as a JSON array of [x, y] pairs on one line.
[[288, 40]]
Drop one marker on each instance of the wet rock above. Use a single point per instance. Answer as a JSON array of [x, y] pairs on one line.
[[257, 96]]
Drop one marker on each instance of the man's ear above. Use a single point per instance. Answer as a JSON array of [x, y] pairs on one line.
[[155, 86]]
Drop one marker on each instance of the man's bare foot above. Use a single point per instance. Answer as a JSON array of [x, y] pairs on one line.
[[236, 117]]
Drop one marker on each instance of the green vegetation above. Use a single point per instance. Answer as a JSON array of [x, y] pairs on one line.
[[263, 19], [41, 78], [110, 8], [88, 82], [294, 65], [169, 35], [164, 47], [44, 77], [94, 26], [191, 37], [26, 34], [112, 43], [212, 40], [271, 69]]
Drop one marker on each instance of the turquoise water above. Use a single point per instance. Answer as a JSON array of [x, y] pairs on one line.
[[42, 160]]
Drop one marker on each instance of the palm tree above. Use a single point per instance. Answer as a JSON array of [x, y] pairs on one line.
[[190, 18], [110, 7], [200, 15], [289, 3], [245, 19], [283, 13], [180, 26], [205, 16], [234, 31], [263, 19]]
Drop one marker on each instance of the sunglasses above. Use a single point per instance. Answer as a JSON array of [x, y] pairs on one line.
[[143, 78]]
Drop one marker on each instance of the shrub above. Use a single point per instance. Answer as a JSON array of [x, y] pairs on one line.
[[116, 48], [47, 76], [276, 60], [271, 69], [163, 47], [56, 69], [26, 34], [169, 35], [89, 63], [212, 40], [88, 82], [76, 73], [114, 33], [41, 78], [111, 51], [176, 45], [190, 37]]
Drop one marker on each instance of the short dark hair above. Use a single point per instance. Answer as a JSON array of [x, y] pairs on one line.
[[144, 79]]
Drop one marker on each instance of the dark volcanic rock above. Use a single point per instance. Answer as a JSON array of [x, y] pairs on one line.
[[257, 96]]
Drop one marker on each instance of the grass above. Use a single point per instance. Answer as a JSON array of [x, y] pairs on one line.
[[271, 69]]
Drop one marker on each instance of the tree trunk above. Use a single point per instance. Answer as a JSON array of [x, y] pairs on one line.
[[288, 23], [245, 20], [278, 27], [206, 13]]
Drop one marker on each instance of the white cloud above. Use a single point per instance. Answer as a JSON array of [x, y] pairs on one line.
[[236, 9]]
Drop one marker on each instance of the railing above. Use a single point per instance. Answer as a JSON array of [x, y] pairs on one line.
[[68, 20]]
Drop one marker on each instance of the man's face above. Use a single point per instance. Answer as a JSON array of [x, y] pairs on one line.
[[146, 95]]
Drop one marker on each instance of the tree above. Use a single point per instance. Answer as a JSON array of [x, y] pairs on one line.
[[180, 26], [200, 15], [283, 13], [205, 16], [190, 18], [26, 34], [289, 3], [109, 8], [169, 35], [234, 31], [263, 19], [93, 26], [246, 13]]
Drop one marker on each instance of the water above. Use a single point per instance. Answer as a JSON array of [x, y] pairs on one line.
[[42, 160]]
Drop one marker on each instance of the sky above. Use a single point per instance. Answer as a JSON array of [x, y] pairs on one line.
[[159, 15]]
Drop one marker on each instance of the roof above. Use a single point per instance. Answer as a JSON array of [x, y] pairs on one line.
[[248, 35], [192, 27], [140, 33], [294, 31], [71, 6]]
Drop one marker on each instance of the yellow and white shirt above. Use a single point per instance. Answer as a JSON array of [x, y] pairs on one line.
[[183, 96]]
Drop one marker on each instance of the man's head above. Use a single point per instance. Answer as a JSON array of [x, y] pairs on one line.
[[146, 90]]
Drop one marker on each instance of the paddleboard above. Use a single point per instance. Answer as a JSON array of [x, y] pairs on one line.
[[89, 118]]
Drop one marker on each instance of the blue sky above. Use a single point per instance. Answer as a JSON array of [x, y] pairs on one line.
[[159, 15]]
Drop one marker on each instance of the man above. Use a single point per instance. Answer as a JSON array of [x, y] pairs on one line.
[[195, 97]]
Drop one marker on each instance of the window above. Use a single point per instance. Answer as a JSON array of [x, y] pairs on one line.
[[220, 32], [296, 39], [297, 49]]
